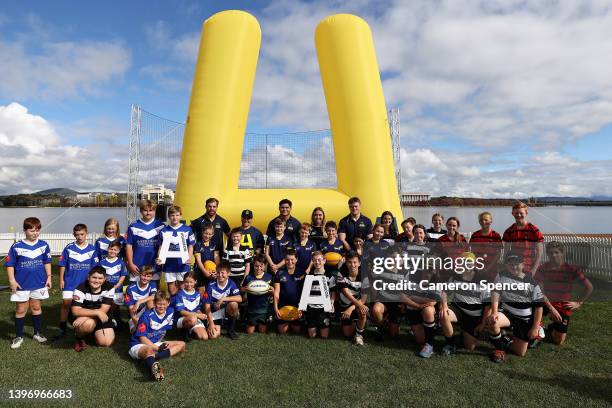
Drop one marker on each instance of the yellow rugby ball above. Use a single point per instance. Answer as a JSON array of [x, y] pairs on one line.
[[332, 258], [289, 313], [210, 266]]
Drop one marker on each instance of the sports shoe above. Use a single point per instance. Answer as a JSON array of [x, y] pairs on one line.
[[498, 356], [449, 349], [157, 371], [233, 335], [39, 338], [427, 351], [380, 335], [358, 340], [17, 341], [59, 335], [80, 345]]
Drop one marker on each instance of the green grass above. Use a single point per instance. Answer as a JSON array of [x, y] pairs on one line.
[[294, 371]]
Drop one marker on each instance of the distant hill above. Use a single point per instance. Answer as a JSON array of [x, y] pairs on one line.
[[570, 199], [57, 191]]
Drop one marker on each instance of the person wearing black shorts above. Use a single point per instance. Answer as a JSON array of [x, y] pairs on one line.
[[91, 303]]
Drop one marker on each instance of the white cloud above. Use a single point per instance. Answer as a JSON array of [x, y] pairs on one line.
[[34, 157], [59, 70]]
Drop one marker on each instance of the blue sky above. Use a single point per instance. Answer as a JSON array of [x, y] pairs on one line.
[[498, 98]]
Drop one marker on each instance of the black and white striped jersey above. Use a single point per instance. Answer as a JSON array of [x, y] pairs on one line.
[[354, 286], [237, 259], [470, 301], [519, 303], [84, 296]]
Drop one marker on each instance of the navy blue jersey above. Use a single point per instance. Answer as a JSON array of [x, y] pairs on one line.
[[290, 287], [176, 264], [258, 303], [292, 228], [252, 238], [278, 247], [102, 244], [304, 254], [78, 261], [115, 269], [361, 227], [337, 246], [144, 239], [317, 235], [29, 261], [152, 326], [221, 227], [207, 252]]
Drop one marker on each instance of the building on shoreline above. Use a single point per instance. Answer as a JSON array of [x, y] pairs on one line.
[[411, 198]]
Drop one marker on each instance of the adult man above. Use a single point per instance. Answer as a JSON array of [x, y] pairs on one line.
[[211, 217], [252, 238], [354, 224], [292, 225]]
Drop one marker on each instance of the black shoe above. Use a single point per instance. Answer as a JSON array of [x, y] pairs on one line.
[[187, 337], [233, 335], [379, 335], [59, 336]]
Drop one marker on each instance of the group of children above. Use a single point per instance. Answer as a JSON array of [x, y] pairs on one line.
[[208, 288]]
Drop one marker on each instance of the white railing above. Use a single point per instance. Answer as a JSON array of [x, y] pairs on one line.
[[57, 242], [592, 253]]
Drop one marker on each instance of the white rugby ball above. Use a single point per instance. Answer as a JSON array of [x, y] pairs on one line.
[[258, 287]]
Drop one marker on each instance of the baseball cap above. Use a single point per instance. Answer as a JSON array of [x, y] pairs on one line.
[[248, 214], [513, 259]]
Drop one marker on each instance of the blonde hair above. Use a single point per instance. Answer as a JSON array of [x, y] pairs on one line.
[[174, 209], [112, 221], [144, 204], [484, 214]]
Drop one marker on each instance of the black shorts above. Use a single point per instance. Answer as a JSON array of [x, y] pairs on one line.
[[520, 326], [559, 327], [201, 281], [317, 318], [413, 316], [466, 322], [352, 318], [393, 312], [255, 317], [99, 325]]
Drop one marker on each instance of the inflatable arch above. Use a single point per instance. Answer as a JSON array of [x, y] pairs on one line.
[[219, 106]]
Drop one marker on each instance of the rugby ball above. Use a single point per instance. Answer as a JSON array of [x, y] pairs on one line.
[[289, 313], [332, 258], [210, 266], [258, 287]]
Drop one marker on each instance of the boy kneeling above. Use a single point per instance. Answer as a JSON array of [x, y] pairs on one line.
[[222, 299], [521, 310], [146, 342], [91, 303]]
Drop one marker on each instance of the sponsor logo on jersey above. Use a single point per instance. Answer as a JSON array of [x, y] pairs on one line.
[[80, 257], [31, 253]]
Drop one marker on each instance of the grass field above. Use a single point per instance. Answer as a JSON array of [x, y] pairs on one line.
[[268, 370]]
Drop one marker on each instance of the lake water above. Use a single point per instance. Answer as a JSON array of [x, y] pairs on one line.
[[579, 220]]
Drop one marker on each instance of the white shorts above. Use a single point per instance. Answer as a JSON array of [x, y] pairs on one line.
[[136, 348], [219, 314], [25, 295], [119, 299], [174, 276], [179, 324], [67, 294]]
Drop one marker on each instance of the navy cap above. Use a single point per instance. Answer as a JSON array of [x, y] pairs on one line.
[[248, 214]]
